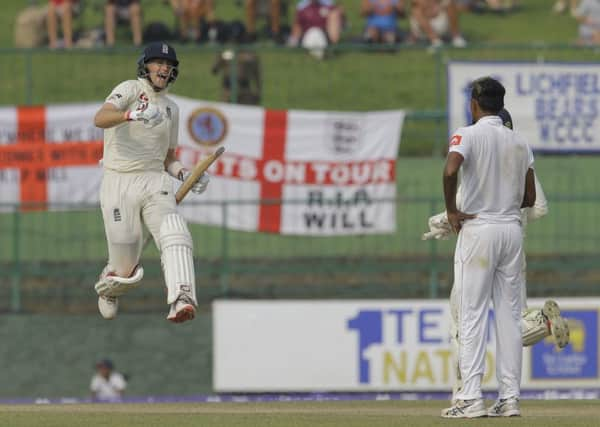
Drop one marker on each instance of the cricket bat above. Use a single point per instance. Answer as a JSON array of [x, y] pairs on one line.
[[201, 167]]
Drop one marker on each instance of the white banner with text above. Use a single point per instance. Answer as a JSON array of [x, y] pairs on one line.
[[556, 106], [359, 345]]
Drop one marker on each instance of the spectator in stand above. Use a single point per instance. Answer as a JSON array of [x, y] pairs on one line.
[[274, 18], [381, 20], [483, 6], [117, 11], [107, 384], [467, 5], [500, 5], [588, 16], [323, 15], [561, 6], [191, 15], [435, 20], [63, 10]]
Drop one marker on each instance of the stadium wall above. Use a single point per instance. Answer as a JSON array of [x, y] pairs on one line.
[[54, 356]]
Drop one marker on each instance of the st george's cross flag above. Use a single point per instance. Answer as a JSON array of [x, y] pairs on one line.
[[283, 171]]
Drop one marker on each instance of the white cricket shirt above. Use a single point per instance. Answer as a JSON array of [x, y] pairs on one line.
[[108, 389], [130, 146], [493, 172]]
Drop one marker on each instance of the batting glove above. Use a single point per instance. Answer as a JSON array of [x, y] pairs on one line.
[[200, 185], [148, 113]]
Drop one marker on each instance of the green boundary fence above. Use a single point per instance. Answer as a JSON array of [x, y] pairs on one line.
[[49, 260]]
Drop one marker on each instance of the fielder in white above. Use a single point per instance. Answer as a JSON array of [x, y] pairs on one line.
[[497, 181], [141, 126], [536, 323]]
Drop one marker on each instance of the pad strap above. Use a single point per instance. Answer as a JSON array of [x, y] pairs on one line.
[[533, 327]]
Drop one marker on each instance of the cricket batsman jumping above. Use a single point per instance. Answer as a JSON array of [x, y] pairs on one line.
[[140, 137]]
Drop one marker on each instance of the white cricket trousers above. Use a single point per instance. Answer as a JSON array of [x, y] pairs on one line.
[[488, 267], [127, 199]]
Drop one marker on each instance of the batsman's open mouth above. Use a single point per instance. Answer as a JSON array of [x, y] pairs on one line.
[[162, 77]]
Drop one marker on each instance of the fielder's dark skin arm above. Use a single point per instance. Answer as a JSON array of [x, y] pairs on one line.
[[529, 196], [450, 180]]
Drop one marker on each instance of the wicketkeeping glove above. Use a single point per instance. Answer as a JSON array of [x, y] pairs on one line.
[[200, 185], [439, 227], [150, 114]]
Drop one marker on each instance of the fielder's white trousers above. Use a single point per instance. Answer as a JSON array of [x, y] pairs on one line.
[[126, 200], [488, 267]]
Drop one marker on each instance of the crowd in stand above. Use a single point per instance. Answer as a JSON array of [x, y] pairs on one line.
[[314, 23]]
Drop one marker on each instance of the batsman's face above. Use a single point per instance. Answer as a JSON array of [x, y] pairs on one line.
[[159, 71]]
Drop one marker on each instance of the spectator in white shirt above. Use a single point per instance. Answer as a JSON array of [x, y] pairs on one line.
[[588, 16], [107, 384]]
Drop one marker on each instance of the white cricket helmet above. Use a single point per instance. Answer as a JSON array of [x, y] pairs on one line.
[[315, 41]]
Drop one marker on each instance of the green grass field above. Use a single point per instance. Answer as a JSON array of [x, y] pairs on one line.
[[295, 414]]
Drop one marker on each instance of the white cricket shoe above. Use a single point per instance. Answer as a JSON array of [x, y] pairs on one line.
[[108, 306], [435, 45], [559, 328], [472, 408], [182, 310], [560, 6], [505, 408], [459, 41]]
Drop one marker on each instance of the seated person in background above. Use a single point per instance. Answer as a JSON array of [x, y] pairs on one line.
[[123, 10], [107, 384], [274, 16], [191, 14], [435, 20], [483, 6], [561, 6], [322, 15], [381, 19], [500, 5], [247, 73], [467, 5], [63, 10], [588, 16]]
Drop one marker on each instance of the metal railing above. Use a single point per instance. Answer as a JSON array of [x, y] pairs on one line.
[[50, 260]]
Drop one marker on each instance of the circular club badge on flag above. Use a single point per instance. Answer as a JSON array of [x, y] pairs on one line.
[[207, 126]]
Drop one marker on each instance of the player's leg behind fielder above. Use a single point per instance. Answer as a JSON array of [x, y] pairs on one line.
[[537, 324]]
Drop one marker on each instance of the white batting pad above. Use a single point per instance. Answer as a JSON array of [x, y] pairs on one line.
[[533, 327], [115, 286], [177, 258]]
